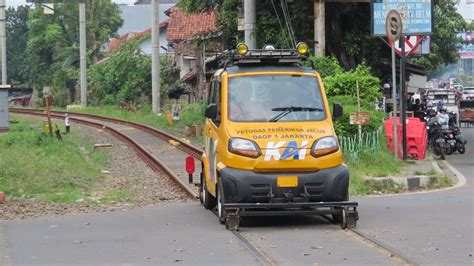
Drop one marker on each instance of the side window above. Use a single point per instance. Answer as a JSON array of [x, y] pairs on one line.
[[215, 97], [211, 92]]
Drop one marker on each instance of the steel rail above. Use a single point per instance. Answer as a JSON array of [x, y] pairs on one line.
[[184, 146], [157, 166], [147, 157], [377, 245]]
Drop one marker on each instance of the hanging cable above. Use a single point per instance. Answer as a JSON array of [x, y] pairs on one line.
[[279, 22], [292, 32], [287, 21]]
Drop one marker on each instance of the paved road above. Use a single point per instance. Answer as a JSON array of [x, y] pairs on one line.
[[173, 234], [430, 228]]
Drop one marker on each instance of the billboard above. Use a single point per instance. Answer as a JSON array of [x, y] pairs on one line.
[[466, 51], [417, 16]]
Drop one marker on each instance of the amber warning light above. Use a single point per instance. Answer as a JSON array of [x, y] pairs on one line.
[[190, 167]]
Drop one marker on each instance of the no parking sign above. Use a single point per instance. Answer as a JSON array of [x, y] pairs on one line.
[[411, 43]]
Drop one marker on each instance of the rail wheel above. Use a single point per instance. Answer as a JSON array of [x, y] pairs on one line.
[[336, 218], [206, 198], [221, 213], [343, 218]]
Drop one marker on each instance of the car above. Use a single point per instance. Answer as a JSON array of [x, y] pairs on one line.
[[270, 143], [468, 93]]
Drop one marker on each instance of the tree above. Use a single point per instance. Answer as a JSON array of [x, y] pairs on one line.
[[124, 77], [444, 42], [53, 41], [347, 30], [17, 36]]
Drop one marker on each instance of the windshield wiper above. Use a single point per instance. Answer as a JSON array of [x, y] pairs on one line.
[[287, 110]]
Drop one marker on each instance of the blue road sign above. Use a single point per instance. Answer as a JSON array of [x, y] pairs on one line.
[[417, 16]]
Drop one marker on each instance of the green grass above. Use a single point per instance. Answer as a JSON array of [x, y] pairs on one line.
[[379, 163], [116, 195], [442, 181], [191, 114], [34, 165], [429, 173]]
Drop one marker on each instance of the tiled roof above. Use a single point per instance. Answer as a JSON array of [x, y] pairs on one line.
[[148, 2], [184, 26], [113, 44]]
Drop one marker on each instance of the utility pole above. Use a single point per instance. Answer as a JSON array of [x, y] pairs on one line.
[[82, 50], [250, 24], [155, 56], [3, 42], [4, 87], [319, 28]]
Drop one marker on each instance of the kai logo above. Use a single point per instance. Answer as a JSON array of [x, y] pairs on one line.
[[291, 151]]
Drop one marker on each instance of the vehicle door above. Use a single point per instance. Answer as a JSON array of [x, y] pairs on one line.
[[212, 130]]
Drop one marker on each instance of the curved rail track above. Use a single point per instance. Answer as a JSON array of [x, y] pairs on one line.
[[122, 132]]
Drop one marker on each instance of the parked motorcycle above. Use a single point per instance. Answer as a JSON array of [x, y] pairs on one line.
[[436, 139], [454, 132]]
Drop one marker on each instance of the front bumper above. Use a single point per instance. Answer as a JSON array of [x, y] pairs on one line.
[[243, 187]]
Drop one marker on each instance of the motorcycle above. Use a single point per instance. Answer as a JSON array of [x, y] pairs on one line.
[[451, 144], [459, 143], [436, 139]]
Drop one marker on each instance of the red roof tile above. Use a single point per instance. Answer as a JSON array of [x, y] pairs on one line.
[[113, 44], [184, 26]]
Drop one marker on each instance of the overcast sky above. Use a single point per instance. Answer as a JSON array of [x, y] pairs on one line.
[[467, 11]]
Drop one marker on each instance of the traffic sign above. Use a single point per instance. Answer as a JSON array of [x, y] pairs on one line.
[[393, 25], [417, 16], [411, 43]]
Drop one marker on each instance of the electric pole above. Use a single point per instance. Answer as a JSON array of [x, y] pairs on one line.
[[3, 42], [250, 24], [155, 56], [82, 51]]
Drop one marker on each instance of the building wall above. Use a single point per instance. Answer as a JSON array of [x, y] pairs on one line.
[[145, 45]]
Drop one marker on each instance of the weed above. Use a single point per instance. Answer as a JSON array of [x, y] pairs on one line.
[[117, 195], [35, 165], [440, 182]]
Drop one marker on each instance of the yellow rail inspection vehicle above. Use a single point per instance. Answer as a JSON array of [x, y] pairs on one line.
[[270, 144]]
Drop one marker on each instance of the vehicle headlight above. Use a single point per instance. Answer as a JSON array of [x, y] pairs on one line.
[[244, 147], [324, 146]]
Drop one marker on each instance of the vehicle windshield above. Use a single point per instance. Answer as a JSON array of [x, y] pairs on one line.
[[272, 98], [468, 91]]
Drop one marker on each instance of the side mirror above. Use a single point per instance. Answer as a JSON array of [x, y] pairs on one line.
[[211, 111], [336, 111]]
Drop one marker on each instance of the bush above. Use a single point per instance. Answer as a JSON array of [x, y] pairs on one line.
[[342, 126], [344, 83], [325, 65]]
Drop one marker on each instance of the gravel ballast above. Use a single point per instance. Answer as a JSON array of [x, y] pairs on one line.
[[125, 171]]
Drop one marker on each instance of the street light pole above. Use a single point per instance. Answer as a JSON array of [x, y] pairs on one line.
[[82, 51]]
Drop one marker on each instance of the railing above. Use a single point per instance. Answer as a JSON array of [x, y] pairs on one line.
[[353, 146]]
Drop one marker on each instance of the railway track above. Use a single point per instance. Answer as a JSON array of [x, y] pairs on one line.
[[165, 154]]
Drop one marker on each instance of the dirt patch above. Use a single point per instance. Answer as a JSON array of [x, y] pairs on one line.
[[127, 183]]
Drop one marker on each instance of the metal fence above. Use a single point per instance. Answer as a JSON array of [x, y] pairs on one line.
[[353, 146]]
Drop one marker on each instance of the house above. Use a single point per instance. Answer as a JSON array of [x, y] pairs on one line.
[[137, 22], [182, 28], [148, 2]]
